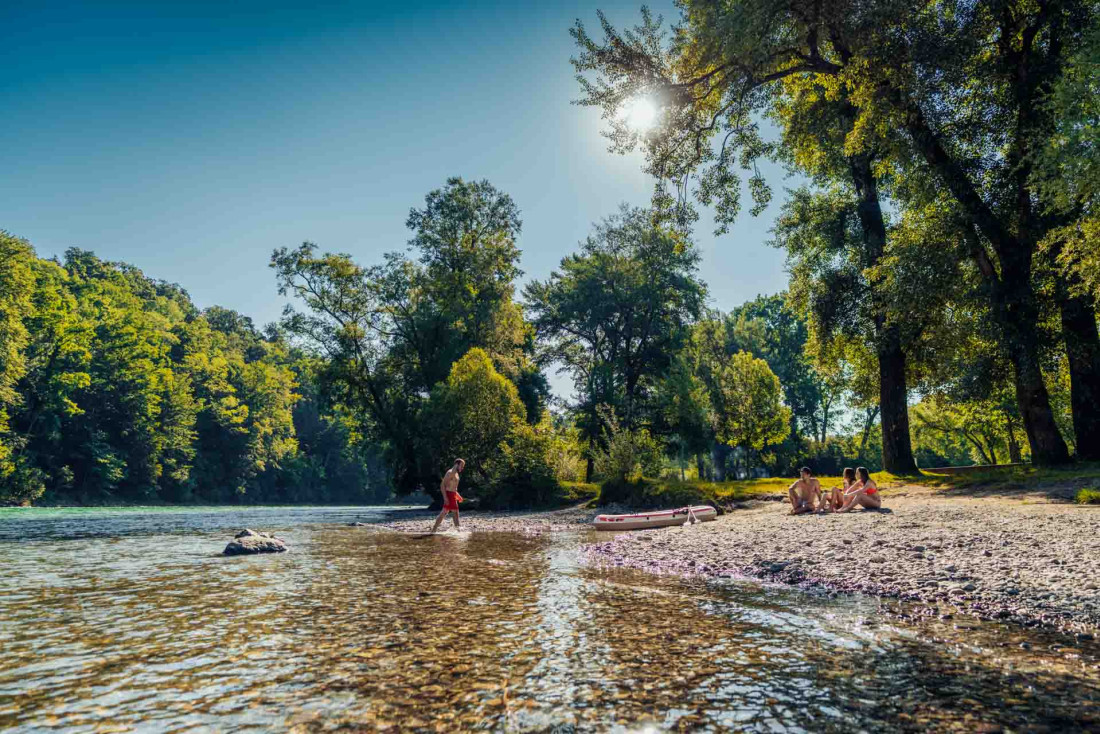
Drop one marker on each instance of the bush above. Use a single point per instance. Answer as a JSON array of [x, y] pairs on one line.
[[1088, 497], [629, 456], [520, 473], [656, 494]]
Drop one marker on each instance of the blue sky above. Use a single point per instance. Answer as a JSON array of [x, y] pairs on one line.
[[191, 139]]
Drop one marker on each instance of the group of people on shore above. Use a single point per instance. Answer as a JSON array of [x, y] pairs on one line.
[[859, 490], [806, 493]]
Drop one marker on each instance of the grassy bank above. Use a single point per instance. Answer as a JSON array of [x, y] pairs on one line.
[[657, 493], [1079, 481], [1013, 477]]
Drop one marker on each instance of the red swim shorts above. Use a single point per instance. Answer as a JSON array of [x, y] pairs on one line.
[[450, 501]]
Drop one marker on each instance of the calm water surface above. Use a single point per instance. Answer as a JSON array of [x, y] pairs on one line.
[[130, 620]]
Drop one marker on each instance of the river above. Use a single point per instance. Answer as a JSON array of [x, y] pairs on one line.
[[131, 620]]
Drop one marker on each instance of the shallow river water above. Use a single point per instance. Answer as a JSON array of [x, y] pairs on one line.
[[115, 620]]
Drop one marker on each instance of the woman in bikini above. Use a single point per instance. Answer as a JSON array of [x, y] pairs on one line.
[[864, 493], [833, 499]]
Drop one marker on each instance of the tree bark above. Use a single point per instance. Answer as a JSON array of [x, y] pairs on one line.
[[897, 447], [1083, 349], [1016, 314], [1013, 445], [872, 413]]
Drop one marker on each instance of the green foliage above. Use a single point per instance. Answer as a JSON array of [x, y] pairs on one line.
[[471, 414], [16, 289], [957, 433], [616, 313], [521, 473], [390, 333], [119, 389], [974, 122], [630, 454], [748, 406], [1088, 497]]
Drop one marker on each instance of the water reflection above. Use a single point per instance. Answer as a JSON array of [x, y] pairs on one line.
[[372, 629]]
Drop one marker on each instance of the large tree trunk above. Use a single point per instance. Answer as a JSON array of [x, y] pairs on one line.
[[1011, 292], [1083, 349], [1047, 445], [1018, 314], [897, 447], [869, 423]]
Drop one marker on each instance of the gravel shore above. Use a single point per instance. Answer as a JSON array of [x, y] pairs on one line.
[[1018, 559], [570, 518]]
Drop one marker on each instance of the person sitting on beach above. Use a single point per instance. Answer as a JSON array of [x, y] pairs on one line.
[[833, 499], [863, 493], [451, 497], [804, 492]]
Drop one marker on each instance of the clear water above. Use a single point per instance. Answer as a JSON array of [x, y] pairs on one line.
[[115, 620]]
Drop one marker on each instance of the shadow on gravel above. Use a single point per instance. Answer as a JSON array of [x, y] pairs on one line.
[[1061, 491], [1013, 482]]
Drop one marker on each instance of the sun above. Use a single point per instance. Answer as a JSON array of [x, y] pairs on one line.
[[640, 114]]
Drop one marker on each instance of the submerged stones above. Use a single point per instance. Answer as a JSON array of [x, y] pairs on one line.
[[249, 542]]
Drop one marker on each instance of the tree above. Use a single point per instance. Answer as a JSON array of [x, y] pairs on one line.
[[615, 313], [685, 412], [391, 332], [472, 413], [748, 408], [725, 64], [16, 290], [782, 342], [953, 94]]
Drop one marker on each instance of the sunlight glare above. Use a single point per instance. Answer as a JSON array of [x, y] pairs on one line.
[[640, 114]]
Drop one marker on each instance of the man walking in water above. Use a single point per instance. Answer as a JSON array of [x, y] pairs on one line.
[[451, 497]]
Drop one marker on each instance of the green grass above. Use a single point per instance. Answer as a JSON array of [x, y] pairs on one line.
[[1088, 497], [654, 493], [1014, 476], [576, 492]]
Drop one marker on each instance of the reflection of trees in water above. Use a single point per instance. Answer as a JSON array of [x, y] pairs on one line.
[[417, 630], [687, 660]]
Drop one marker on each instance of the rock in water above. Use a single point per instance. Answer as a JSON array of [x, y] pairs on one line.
[[248, 542]]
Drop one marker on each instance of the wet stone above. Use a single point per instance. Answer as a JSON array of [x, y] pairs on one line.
[[250, 542]]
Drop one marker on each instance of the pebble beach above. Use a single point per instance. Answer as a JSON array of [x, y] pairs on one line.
[[1022, 558], [1016, 559]]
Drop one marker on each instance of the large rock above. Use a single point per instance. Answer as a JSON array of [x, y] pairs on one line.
[[249, 542]]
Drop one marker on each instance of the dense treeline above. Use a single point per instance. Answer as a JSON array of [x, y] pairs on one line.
[[114, 387]]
